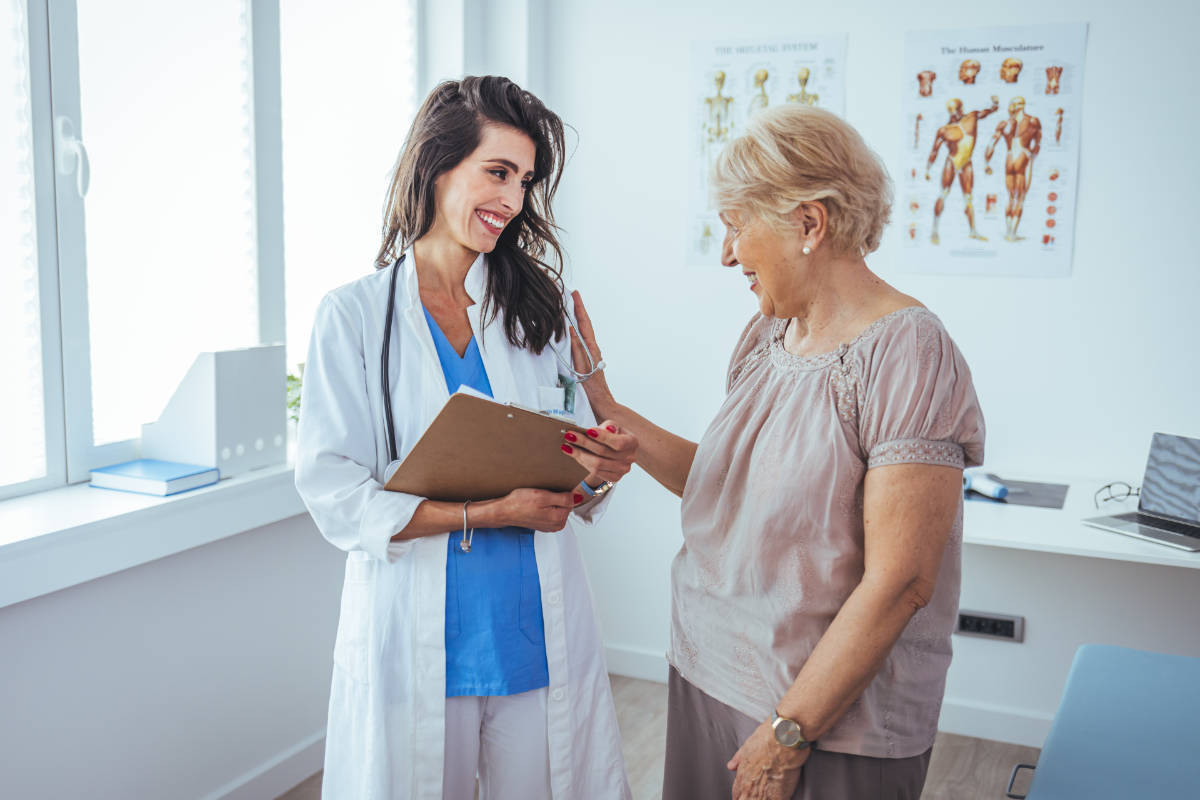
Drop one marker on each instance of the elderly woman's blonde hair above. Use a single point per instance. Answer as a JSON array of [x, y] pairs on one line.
[[796, 153]]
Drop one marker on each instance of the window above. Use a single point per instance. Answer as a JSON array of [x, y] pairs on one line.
[[22, 414], [169, 224], [142, 206], [344, 121]]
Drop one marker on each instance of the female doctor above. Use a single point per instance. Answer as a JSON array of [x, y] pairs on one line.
[[459, 653]]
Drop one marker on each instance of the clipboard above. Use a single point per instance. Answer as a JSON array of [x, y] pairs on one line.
[[479, 449]]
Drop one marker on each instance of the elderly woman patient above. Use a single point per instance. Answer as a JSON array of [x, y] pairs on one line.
[[816, 590]]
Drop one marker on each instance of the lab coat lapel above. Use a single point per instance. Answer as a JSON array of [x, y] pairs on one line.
[[494, 346], [433, 381]]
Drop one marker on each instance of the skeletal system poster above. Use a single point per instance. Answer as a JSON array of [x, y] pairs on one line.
[[731, 81], [991, 143]]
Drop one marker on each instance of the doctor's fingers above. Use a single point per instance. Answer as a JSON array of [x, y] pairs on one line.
[[609, 469], [605, 440]]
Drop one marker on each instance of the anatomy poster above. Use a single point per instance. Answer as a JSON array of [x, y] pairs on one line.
[[991, 142], [730, 82]]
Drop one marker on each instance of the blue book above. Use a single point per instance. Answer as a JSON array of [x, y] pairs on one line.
[[151, 476]]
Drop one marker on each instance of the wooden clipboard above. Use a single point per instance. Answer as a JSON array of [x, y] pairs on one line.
[[478, 449]]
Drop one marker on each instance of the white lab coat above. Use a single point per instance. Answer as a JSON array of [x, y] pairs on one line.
[[386, 732]]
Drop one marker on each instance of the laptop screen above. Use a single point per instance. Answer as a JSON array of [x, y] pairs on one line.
[[1171, 486]]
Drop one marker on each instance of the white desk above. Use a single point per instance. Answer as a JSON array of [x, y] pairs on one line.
[[1051, 530]]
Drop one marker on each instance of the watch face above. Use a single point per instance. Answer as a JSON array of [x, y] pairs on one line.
[[787, 733]]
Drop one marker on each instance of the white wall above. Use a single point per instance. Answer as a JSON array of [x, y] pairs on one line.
[[1074, 374], [202, 674]]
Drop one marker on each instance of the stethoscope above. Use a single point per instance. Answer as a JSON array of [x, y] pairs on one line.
[[385, 352]]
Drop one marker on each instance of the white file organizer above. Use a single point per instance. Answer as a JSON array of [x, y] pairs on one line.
[[229, 412]]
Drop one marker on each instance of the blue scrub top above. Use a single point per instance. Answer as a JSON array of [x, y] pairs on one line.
[[495, 638]]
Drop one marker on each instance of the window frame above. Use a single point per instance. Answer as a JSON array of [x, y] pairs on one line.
[[52, 40], [46, 249]]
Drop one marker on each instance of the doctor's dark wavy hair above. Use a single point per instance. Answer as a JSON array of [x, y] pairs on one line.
[[525, 268]]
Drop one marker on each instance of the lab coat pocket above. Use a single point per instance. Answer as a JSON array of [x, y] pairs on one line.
[[350, 648], [532, 625]]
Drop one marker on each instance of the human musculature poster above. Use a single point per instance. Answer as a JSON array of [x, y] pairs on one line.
[[991, 142], [733, 80]]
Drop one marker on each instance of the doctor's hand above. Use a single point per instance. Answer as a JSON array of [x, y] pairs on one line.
[[605, 451], [537, 509], [599, 395]]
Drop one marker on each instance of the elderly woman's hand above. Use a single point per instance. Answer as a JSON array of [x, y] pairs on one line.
[[766, 770], [585, 354]]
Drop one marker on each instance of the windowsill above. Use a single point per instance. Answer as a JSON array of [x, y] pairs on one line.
[[63, 537]]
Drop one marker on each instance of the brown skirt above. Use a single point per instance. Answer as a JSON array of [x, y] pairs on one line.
[[703, 734]]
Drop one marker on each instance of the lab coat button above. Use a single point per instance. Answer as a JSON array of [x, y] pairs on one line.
[[557, 695], [555, 598]]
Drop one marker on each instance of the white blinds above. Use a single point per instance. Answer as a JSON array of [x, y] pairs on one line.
[[22, 417]]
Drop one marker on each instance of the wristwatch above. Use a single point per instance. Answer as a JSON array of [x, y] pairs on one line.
[[599, 491], [788, 733]]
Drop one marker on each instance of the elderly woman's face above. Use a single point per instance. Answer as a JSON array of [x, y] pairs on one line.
[[769, 259]]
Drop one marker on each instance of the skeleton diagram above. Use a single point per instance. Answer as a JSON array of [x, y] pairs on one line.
[[1010, 70], [759, 101], [925, 80], [803, 96], [959, 137], [1058, 112], [717, 127], [1023, 135], [1053, 76]]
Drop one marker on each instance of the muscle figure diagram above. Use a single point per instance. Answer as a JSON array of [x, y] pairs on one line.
[[967, 70], [1023, 135], [925, 81], [759, 101], [1010, 70], [959, 137], [1058, 112], [803, 96], [917, 132], [1053, 76]]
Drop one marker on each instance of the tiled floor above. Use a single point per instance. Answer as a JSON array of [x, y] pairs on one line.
[[962, 768]]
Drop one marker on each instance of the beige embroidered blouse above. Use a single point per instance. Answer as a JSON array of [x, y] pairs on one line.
[[773, 520]]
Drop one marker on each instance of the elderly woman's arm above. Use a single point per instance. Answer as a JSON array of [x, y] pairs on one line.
[[908, 512], [667, 457]]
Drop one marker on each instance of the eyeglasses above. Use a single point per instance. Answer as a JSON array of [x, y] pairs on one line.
[[1117, 490]]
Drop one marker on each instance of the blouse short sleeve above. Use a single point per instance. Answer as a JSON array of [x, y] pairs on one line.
[[751, 343], [919, 404]]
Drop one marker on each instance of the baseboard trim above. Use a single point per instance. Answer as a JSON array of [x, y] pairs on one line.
[[636, 662], [963, 717], [999, 723], [279, 774]]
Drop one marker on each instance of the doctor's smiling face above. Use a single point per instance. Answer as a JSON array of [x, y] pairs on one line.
[[476, 199]]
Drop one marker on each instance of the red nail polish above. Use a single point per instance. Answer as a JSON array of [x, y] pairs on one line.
[[570, 437], [566, 448], [592, 432], [578, 498], [610, 429]]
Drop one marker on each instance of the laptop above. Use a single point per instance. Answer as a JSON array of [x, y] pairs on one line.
[[1169, 504]]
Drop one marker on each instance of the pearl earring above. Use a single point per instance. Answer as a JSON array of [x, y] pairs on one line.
[[807, 250]]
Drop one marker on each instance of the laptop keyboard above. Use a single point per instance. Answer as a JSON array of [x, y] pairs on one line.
[[1161, 524]]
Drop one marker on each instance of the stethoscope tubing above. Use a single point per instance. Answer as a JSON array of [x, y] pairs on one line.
[[385, 353]]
